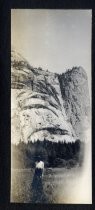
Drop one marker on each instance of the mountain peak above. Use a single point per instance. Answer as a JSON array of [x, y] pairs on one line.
[[47, 105]]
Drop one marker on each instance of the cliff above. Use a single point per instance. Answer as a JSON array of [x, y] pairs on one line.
[[47, 105]]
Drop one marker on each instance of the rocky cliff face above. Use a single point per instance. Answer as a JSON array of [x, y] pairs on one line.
[[75, 94], [47, 105]]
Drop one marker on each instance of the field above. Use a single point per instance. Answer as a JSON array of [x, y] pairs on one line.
[[57, 184]]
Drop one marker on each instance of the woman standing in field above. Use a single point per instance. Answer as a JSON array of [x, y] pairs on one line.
[[37, 186]]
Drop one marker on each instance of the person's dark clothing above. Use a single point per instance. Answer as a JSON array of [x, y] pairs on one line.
[[37, 187], [38, 172]]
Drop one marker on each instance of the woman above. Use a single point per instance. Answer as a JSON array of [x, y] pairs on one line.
[[37, 186]]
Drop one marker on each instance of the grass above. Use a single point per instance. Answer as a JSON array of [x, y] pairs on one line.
[[54, 181]]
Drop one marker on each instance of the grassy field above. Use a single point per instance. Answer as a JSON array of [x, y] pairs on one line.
[[57, 184]]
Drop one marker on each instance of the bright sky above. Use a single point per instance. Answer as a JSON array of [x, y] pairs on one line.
[[53, 39]]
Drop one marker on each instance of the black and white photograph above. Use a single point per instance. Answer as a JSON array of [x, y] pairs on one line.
[[51, 142]]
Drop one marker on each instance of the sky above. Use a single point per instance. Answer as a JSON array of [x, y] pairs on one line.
[[55, 40]]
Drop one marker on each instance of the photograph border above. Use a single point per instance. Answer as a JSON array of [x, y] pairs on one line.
[[5, 82]]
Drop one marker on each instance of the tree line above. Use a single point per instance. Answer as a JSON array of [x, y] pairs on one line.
[[54, 154]]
